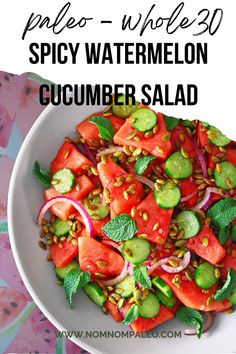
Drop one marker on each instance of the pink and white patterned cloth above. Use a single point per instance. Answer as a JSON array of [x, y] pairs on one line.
[[23, 327]]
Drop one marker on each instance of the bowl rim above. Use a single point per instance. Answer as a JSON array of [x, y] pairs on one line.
[[15, 252]]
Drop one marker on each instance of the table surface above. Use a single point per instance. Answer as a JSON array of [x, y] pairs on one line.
[[23, 327]]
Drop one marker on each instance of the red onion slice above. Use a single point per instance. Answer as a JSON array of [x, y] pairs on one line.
[[122, 312], [158, 264], [207, 204], [207, 324], [159, 175], [77, 205], [118, 279], [203, 202], [216, 191], [84, 149], [141, 179], [130, 268], [89, 154], [201, 160], [103, 202], [110, 150], [206, 201], [184, 263], [111, 243], [185, 199], [146, 181]]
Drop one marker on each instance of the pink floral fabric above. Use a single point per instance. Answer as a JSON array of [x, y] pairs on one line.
[[23, 327]]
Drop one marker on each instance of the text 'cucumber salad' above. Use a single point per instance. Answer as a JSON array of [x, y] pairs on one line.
[[143, 217]]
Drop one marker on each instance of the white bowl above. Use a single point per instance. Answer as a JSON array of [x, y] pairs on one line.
[[25, 199]]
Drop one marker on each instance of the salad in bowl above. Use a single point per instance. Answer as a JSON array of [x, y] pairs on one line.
[[140, 214]]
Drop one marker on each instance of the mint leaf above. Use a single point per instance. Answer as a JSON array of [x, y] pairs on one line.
[[224, 234], [223, 212], [141, 276], [131, 315], [191, 317], [221, 205], [42, 176], [142, 164], [233, 233], [187, 123], [228, 287], [75, 280], [171, 122], [121, 228], [105, 127]]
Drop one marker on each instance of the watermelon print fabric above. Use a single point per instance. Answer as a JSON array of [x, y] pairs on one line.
[[23, 327]]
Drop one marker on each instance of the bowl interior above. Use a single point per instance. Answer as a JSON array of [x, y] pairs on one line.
[[25, 199]]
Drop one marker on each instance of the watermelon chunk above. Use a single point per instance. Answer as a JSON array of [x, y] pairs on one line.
[[70, 157], [98, 225], [202, 135], [156, 215], [229, 261], [149, 144], [186, 142], [192, 296], [214, 151], [231, 156], [212, 253], [107, 173], [91, 251], [89, 130], [146, 324], [65, 209], [187, 187], [114, 311], [62, 256]]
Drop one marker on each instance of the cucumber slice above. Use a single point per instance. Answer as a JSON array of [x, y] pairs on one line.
[[127, 285], [162, 286], [226, 178], [168, 197], [65, 180], [96, 210], [150, 307], [205, 275], [232, 297], [177, 166], [136, 250], [124, 110], [216, 137], [95, 293], [189, 222], [166, 301], [144, 119], [62, 272], [61, 227]]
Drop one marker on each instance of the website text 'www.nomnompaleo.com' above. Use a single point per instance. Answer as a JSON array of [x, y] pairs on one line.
[[118, 334]]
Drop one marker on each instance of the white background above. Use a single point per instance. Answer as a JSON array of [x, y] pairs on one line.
[[215, 81]]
